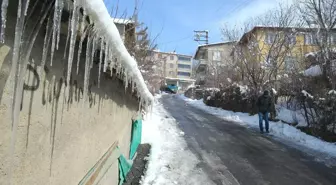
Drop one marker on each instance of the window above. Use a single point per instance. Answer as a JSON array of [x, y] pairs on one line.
[[216, 56], [184, 66], [310, 39], [171, 57], [183, 58], [160, 55], [171, 65], [290, 39], [270, 37], [183, 74]]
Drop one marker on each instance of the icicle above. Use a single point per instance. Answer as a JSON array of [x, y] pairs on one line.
[[87, 69], [26, 10], [59, 19], [100, 59], [79, 53], [46, 42], [106, 57], [83, 21], [74, 28], [56, 26], [94, 44], [68, 35], [140, 104], [132, 83], [126, 81], [19, 70], [54, 32], [83, 32], [4, 7]]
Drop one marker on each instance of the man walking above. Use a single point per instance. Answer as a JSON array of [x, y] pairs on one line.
[[264, 104]]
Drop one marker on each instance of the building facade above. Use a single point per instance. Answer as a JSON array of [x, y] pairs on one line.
[[283, 46], [175, 68], [212, 57], [167, 63], [184, 66]]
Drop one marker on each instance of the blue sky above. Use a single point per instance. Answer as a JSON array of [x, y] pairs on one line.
[[174, 21]]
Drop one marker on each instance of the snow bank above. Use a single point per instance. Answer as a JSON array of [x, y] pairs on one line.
[[313, 71], [170, 161], [243, 89], [277, 129], [306, 94], [332, 92], [105, 27], [290, 116], [213, 89], [311, 54]]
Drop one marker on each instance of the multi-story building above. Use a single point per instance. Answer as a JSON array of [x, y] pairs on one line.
[[211, 57], [176, 68], [184, 66], [284, 46], [126, 28], [167, 63]]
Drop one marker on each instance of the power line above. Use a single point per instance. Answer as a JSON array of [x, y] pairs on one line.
[[181, 39], [244, 3]]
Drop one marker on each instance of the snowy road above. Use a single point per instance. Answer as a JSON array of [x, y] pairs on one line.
[[232, 154]]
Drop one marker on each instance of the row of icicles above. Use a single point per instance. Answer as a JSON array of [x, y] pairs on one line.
[[77, 21], [108, 58]]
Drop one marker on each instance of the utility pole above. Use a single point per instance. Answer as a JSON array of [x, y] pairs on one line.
[[202, 36]]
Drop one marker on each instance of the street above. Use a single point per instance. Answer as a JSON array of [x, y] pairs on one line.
[[233, 154]]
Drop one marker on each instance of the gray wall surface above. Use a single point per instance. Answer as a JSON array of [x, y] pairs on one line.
[[59, 140]]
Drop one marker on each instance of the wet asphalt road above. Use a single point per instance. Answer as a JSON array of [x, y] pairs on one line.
[[232, 154]]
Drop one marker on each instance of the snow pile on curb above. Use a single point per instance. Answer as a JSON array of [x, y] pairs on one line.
[[277, 129], [104, 25], [170, 161], [290, 116]]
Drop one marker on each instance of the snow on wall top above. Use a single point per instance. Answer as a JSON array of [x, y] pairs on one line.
[[104, 25]]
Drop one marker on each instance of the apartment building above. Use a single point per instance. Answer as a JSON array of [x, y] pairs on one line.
[[286, 46], [184, 66], [215, 55], [176, 68]]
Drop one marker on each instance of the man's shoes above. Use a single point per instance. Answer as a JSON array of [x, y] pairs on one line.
[[261, 132], [267, 131]]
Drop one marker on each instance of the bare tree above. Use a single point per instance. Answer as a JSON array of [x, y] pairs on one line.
[[261, 63], [322, 14]]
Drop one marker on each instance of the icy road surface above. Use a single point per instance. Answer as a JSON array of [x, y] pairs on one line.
[[229, 153]]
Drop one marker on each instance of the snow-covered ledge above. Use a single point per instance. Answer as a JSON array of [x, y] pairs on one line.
[[105, 27]]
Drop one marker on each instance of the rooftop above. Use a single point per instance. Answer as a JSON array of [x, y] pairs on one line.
[[273, 28], [201, 47]]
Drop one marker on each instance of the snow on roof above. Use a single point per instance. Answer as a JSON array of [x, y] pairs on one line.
[[122, 21], [313, 71], [104, 26]]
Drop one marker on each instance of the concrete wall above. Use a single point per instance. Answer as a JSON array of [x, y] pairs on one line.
[[59, 141]]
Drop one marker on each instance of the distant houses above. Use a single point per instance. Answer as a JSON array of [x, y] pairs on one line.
[[270, 47]]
